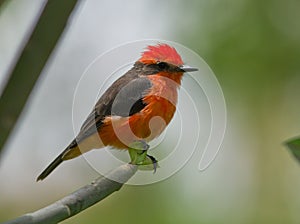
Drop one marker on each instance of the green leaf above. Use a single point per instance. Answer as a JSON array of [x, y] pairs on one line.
[[138, 155], [138, 152], [294, 147]]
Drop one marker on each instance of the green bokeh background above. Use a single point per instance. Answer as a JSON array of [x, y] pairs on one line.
[[253, 48]]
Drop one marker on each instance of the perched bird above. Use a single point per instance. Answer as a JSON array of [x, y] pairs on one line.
[[136, 107]]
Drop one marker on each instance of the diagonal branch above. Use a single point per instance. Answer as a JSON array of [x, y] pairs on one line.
[[80, 199], [31, 62], [2, 2]]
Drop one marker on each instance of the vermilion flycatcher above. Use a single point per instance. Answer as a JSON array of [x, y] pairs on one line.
[[136, 107]]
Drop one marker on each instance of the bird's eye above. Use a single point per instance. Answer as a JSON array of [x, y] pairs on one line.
[[162, 65]]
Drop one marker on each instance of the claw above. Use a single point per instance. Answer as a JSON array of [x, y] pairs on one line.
[[154, 162]]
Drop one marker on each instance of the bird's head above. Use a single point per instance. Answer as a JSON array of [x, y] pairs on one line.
[[164, 60]]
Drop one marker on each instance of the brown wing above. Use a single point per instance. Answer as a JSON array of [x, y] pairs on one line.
[[123, 98]]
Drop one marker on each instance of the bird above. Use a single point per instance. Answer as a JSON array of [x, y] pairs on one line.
[[137, 107]]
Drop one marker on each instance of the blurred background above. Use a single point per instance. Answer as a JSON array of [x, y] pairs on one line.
[[253, 48]]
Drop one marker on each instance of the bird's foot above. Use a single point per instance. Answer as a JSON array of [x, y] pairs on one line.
[[138, 155]]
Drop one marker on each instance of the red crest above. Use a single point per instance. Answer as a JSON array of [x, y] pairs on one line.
[[161, 53]]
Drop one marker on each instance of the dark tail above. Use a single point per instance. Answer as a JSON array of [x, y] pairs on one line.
[[70, 152], [51, 167]]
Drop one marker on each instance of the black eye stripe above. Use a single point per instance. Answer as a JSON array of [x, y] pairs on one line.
[[162, 65], [149, 69]]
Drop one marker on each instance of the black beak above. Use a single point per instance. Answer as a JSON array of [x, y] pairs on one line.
[[186, 68]]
